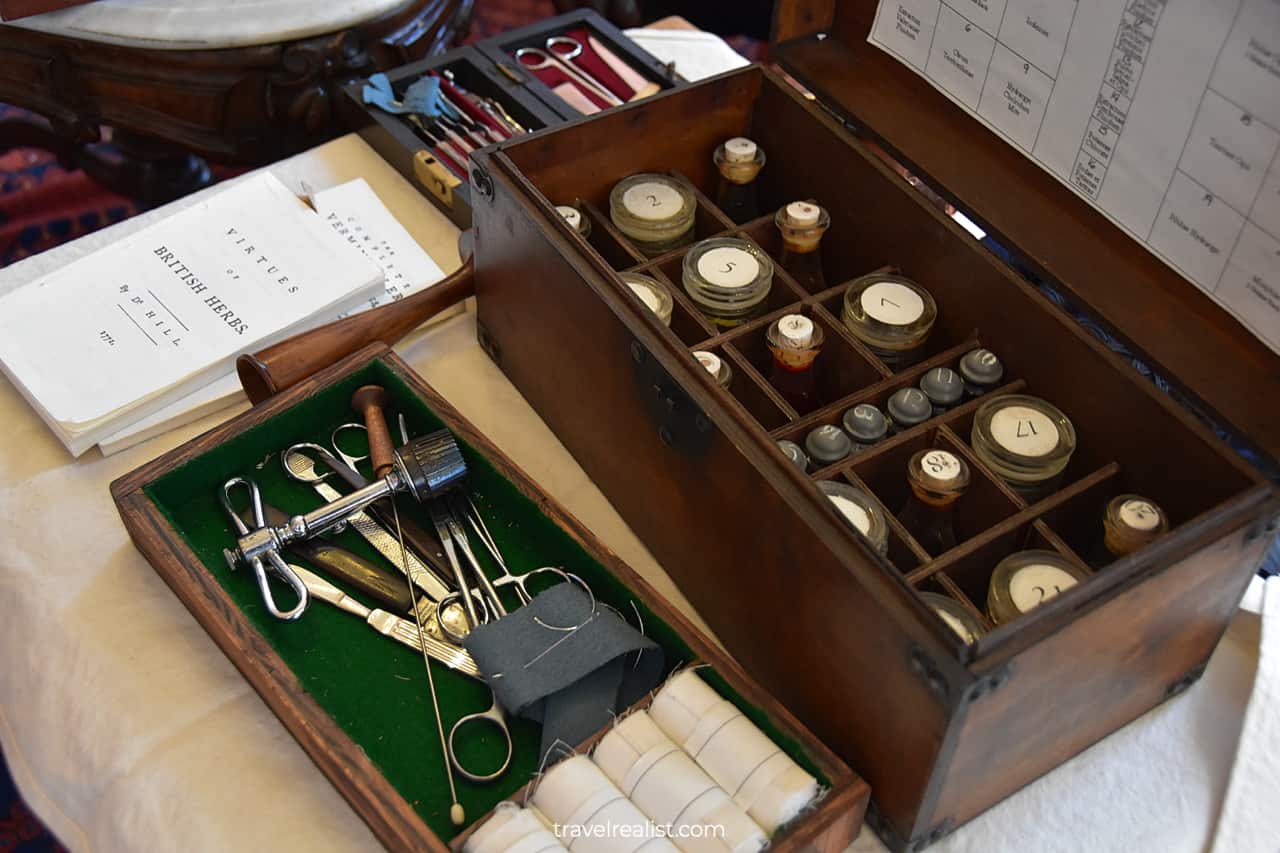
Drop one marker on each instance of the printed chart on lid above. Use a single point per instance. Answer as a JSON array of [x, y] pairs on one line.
[[1163, 114]]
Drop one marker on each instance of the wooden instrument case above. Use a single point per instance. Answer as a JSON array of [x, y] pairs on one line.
[[170, 508], [941, 730]]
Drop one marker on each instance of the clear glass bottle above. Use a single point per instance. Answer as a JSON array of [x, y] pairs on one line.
[[574, 217], [906, 408], [795, 454], [937, 479], [892, 315], [1027, 579], [728, 279], [715, 365], [866, 425], [944, 388], [827, 445], [795, 342], [739, 161], [1025, 440], [655, 212], [860, 512], [1129, 522], [802, 225], [953, 614], [653, 293], [981, 370]]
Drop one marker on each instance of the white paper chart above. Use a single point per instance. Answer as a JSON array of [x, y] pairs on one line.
[[1164, 114]]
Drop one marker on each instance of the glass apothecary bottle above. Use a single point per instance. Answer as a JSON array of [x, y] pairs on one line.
[[728, 280], [1025, 580], [937, 479], [653, 293], [955, 616], [826, 445], [944, 388], [1026, 441], [866, 425], [860, 512], [1129, 522], [892, 315], [981, 370], [739, 161], [655, 212], [572, 215], [907, 408], [795, 454], [715, 365], [802, 225], [795, 342]]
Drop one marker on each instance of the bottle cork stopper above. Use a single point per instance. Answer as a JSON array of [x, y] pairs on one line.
[[909, 406], [570, 214], [827, 444], [709, 360], [942, 385], [981, 366], [796, 330], [802, 214], [865, 423], [794, 453], [739, 149]]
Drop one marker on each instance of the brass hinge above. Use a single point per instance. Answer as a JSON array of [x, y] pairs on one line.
[[437, 179]]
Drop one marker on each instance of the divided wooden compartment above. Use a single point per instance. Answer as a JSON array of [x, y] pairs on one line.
[[360, 770], [941, 729]]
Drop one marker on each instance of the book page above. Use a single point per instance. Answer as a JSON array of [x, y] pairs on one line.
[[1162, 114], [183, 296], [354, 211]]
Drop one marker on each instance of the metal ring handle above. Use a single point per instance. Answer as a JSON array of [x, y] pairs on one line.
[[575, 47], [297, 449], [494, 718], [351, 461], [541, 58], [255, 500], [289, 576]]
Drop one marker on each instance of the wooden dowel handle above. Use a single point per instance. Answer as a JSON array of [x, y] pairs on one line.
[[287, 363], [368, 401]]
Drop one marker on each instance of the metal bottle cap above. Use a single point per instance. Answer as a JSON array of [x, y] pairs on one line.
[[981, 367], [865, 423], [794, 453], [909, 407], [943, 386], [827, 444]]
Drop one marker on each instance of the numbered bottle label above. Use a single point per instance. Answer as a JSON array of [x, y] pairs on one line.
[[1025, 431], [652, 200], [1035, 584], [1139, 515], [571, 215], [727, 266], [940, 465], [892, 303], [857, 515]]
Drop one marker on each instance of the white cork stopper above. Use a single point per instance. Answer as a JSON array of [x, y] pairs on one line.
[[739, 150], [709, 360], [802, 214], [796, 330]]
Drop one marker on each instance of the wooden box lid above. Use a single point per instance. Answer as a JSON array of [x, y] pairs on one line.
[[1163, 318]]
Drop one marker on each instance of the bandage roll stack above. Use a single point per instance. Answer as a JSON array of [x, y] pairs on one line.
[[576, 794], [512, 829], [666, 784], [759, 776]]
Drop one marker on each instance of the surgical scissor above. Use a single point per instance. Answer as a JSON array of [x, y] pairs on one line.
[[563, 60]]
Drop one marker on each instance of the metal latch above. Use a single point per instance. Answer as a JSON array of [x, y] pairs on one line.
[[681, 424], [438, 180]]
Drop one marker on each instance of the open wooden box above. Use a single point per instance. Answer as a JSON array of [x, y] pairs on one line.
[[357, 702], [941, 729]]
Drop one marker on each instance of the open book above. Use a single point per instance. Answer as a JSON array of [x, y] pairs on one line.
[[355, 212], [118, 335]]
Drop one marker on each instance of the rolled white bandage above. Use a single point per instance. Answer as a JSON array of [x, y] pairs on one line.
[[666, 784], [590, 815], [741, 759], [511, 829]]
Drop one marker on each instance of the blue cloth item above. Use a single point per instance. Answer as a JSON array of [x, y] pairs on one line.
[[425, 98], [377, 91]]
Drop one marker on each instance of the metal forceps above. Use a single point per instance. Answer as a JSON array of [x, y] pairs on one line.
[[562, 59], [278, 565]]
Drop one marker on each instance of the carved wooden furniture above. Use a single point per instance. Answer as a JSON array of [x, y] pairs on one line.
[[168, 108]]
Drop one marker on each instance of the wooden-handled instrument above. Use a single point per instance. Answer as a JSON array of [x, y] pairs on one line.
[[287, 363]]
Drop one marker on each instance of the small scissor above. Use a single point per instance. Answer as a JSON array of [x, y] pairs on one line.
[[563, 59]]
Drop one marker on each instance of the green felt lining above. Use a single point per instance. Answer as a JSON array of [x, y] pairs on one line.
[[374, 688]]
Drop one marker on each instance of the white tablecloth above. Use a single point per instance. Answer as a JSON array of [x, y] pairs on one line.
[[126, 728]]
